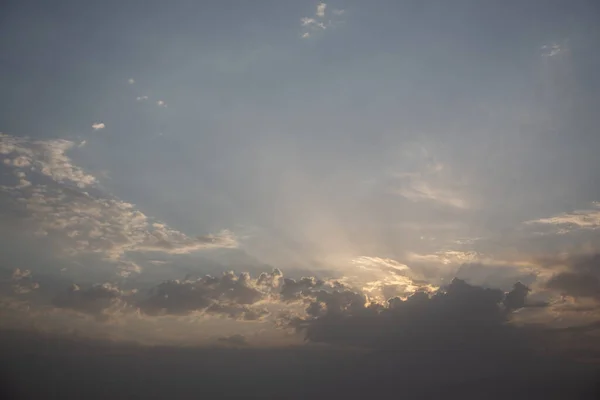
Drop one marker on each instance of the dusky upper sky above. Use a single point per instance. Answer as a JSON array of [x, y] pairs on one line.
[[390, 145]]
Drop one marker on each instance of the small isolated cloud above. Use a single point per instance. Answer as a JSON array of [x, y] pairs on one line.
[[305, 35], [98, 125], [161, 103], [234, 340], [551, 50], [338, 12], [141, 98], [131, 81], [321, 10]]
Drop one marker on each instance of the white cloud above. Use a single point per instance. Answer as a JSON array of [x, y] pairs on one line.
[[321, 10], [141, 98], [131, 81], [98, 125], [161, 103], [338, 12], [46, 157], [89, 221], [567, 222], [551, 50], [305, 35]]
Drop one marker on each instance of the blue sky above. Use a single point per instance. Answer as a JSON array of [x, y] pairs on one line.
[[337, 139]]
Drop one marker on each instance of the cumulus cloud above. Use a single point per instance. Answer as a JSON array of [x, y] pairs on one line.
[[452, 315], [100, 300], [22, 281], [230, 294], [98, 125], [69, 209], [44, 157]]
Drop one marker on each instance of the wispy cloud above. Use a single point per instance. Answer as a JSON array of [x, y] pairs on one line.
[[141, 98], [98, 125], [161, 103], [570, 221], [131, 81], [551, 50], [338, 12], [318, 22]]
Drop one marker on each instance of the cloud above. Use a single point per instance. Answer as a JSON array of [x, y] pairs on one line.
[[69, 209], [338, 12], [575, 284], [131, 81], [100, 300], [321, 10], [44, 157], [22, 281], [454, 316], [318, 23], [161, 103], [234, 340], [97, 126], [571, 221], [577, 276], [141, 98], [551, 50], [231, 295], [312, 23]]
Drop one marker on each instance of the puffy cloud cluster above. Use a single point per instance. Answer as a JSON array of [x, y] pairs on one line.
[[229, 294], [63, 203], [45, 157], [22, 281], [100, 300]]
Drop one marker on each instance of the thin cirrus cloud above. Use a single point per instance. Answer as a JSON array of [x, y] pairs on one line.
[[584, 219], [551, 50]]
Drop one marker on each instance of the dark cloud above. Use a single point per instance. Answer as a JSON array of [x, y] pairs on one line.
[[229, 294], [235, 340], [575, 284], [458, 314], [581, 279], [72, 367], [99, 300]]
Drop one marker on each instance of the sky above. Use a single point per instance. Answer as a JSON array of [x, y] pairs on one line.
[[239, 173]]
